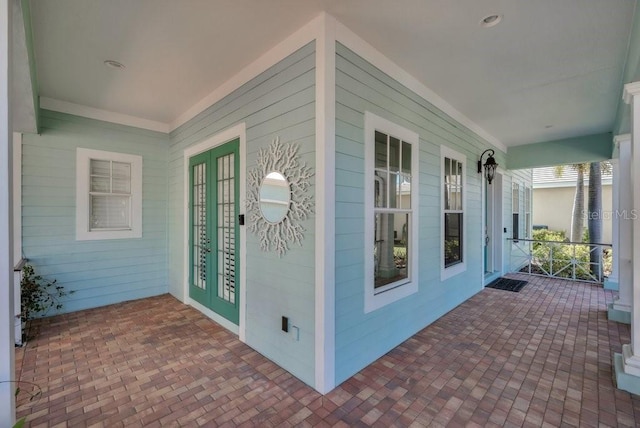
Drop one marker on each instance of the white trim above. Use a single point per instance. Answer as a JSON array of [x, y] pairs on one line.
[[325, 207], [104, 115], [448, 272], [7, 340], [83, 232], [212, 315], [629, 91], [295, 41], [379, 60], [372, 123], [17, 232], [17, 198], [237, 131]]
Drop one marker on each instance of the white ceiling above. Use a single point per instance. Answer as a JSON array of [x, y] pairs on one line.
[[551, 69]]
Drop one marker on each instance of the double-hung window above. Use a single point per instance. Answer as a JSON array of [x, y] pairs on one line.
[[108, 195], [391, 212], [453, 187]]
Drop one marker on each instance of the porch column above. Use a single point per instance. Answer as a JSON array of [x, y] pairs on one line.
[[611, 282], [620, 309], [627, 364], [7, 350]]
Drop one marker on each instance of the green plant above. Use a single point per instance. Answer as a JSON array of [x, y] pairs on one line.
[[38, 295]]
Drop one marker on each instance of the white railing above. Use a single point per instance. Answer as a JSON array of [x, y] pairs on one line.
[[577, 261]]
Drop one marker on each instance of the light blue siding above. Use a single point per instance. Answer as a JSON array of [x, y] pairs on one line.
[[361, 338], [278, 103], [105, 271]]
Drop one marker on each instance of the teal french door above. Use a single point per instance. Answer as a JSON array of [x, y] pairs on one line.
[[213, 230]]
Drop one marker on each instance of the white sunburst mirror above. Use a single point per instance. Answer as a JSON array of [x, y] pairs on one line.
[[277, 199]]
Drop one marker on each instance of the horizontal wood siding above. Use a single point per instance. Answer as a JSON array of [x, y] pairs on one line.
[[100, 272], [278, 103], [361, 338]]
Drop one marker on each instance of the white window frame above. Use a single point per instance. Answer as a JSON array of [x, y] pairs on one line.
[[515, 209], [375, 299], [458, 268], [527, 212], [83, 162]]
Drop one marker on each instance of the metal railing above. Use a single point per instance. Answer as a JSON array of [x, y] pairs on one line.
[[577, 261]]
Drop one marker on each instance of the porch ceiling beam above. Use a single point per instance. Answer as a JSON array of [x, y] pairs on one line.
[[24, 102], [588, 148]]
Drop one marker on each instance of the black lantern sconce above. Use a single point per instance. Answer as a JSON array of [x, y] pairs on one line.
[[490, 165]]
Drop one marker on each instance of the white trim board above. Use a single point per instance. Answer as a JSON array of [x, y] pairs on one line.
[[325, 207], [313, 30], [237, 131]]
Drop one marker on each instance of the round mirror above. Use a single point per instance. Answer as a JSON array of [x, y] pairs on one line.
[[275, 197]]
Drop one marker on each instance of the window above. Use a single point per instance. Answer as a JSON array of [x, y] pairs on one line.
[[527, 212], [391, 207], [453, 203], [515, 204], [108, 195]]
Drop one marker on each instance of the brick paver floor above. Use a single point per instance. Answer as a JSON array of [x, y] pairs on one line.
[[541, 357]]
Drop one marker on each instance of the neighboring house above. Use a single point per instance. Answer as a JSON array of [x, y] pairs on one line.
[[393, 225], [553, 200]]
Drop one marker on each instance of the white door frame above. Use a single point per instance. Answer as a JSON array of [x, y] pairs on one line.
[[494, 223], [238, 131]]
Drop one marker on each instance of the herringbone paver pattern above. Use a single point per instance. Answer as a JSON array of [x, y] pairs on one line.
[[541, 357]]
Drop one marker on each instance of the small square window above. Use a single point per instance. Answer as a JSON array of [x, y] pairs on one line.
[[108, 195]]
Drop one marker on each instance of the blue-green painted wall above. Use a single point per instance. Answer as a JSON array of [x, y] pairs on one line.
[[100, 272], [280, 102], [588, 148], [361, 338]]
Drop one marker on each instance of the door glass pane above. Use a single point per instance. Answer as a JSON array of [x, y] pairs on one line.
[[201, 244], [226, 229]]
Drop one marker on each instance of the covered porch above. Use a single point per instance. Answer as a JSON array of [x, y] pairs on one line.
[[542, 356]]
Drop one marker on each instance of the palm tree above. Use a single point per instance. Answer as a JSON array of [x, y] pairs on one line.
[[594, 206], [577, 213], [594, 220]]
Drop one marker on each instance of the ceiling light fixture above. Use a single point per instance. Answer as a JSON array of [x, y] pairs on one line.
[[490, 21], [114, 64]]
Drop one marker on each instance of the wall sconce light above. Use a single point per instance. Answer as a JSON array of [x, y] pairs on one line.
[[490, 165]]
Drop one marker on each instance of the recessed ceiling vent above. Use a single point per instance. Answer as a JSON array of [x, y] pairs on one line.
[[114, 64], [490, 21]]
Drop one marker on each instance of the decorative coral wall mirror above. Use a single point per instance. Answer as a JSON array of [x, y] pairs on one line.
[[277, 199]]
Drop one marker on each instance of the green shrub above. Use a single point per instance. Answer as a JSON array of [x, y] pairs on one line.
[[555, 258], [38, 295]]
